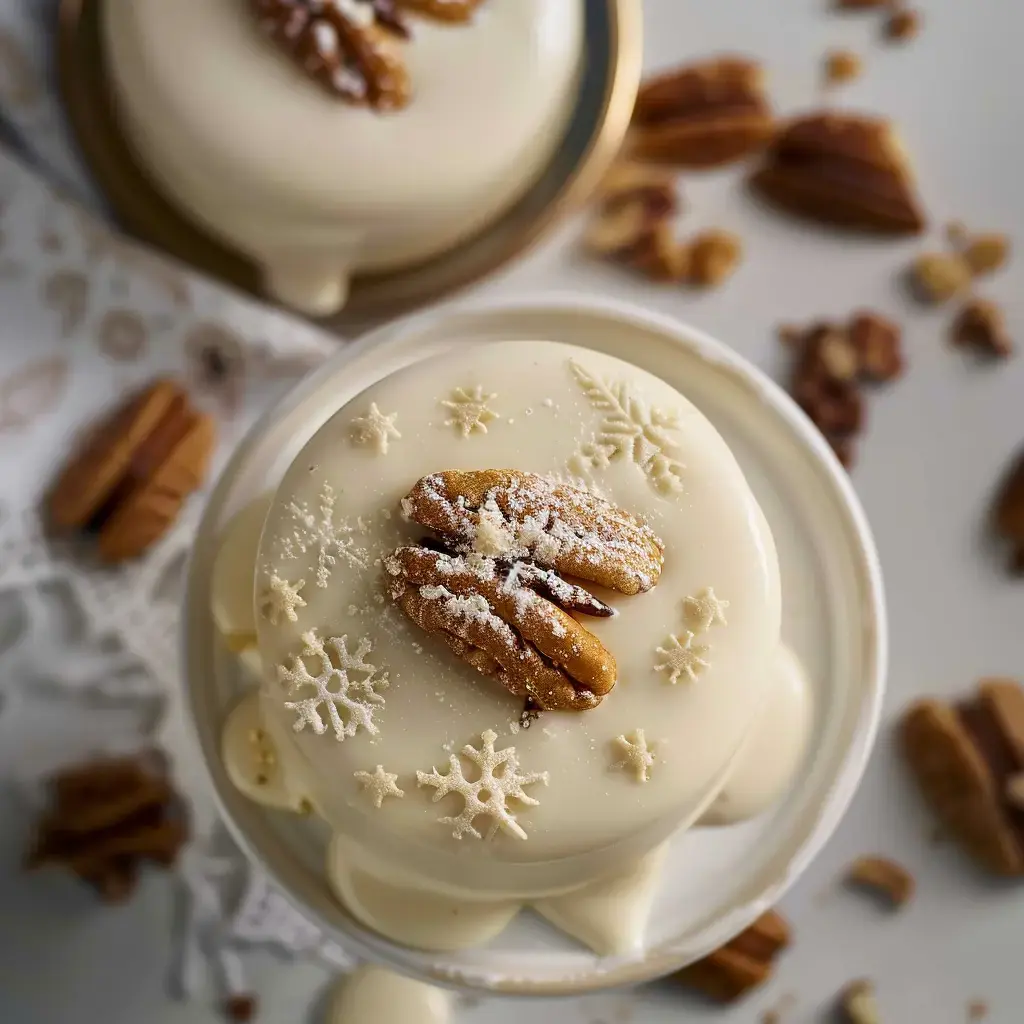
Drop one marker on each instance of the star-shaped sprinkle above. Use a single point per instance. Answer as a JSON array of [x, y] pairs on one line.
[[375, 428], [705, 610], [639, 758], [469, 410], [281, 600], [379, 784], [683, 658]]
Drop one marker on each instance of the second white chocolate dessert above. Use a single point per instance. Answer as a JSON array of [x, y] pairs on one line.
[[517, 611], [311, 183]]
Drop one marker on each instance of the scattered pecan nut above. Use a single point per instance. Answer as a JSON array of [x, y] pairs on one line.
[[878, 343], [106, 818], [981, 325], [987, 253], [130, 480], [842, 169], [633, 223], [492, 585], [963, 757], [741, 965], [713, 257], [1008, 513], [703, 115], [902, 25], [883, 877], [858, 1003], [241, 1008], [842, 66], [832, 362], [936, 277]]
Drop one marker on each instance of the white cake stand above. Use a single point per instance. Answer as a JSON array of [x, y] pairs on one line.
[[716, 881]]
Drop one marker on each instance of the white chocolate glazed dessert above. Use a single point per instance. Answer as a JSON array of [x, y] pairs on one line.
[[312, 182], [575, 808]]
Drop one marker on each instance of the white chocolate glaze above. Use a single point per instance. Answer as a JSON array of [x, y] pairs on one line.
[[411, 913], [591, 820], [232, 598], [313, 188], [609, 915], [775, 750], [375, 995]]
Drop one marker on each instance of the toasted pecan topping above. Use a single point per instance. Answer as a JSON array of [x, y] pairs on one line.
[[497, 622], [522, 516]]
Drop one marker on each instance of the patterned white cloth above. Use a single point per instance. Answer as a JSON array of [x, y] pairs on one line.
[[86, 318]]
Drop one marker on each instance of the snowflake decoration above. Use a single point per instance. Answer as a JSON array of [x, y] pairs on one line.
[[379, 784], [639, 758], [469, 410], [631, 429], [323, 532], [500, 781], [376, 429], [705, 610], [359, 699], [683, 658], [281, 599]]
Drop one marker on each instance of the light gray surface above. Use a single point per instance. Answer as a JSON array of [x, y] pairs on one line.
[[936, 444]]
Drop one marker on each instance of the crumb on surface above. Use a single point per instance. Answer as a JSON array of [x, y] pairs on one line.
[[842, 66]]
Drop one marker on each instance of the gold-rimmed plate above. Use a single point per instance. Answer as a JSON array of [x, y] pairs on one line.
[[607, 90]]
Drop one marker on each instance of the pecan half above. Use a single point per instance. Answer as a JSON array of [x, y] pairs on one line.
[[842, 169], [703, 115], [497, 621], [517, 516], [491, 585], [1008, 512]]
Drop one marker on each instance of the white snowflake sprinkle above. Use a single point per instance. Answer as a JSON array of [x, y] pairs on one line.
[[325, 533], [281, 600], [705, 610], [639, 757], [358, 699], [469, 410], [378, 784], [631, 429], [683, 658], [500, 781], [375, 429]]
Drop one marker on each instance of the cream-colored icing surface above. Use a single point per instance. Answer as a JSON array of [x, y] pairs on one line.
[[313, 188], [592, 819], [375, 995], [772, 755], [231, 600]]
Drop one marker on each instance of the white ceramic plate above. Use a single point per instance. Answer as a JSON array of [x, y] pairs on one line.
[[716, 881]]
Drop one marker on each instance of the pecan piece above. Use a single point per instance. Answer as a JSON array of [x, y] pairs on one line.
[[964, 757], [1008, 514], [703, 115], [981, 325], [883, 877], [106, 818], [519, 516], [842, 169], [501, 626], [730, 972]]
